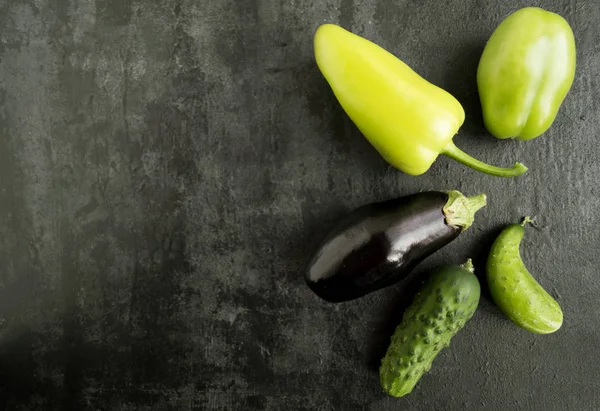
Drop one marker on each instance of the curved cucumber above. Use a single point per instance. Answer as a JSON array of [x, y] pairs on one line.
[[514, 290], [440, 309]]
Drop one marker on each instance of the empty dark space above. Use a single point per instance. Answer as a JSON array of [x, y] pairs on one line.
[[168, 167]]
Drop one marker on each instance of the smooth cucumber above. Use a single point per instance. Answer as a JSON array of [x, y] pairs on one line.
[[440, 309], [514, 290]]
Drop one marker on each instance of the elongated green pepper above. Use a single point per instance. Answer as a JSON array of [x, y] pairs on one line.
[[525, 72], [407, 119]]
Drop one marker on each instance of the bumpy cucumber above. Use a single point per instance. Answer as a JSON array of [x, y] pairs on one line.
[[514, 290], [440, 309]]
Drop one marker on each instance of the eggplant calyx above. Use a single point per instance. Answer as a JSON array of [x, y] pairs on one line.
[[460, 210]]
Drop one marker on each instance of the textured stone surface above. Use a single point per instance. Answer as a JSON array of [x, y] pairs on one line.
[[167, 166]]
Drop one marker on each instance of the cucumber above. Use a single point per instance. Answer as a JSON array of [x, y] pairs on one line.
[[514, 290], [440, 309]]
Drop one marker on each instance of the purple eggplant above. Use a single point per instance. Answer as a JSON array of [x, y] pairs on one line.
[[379, 244]]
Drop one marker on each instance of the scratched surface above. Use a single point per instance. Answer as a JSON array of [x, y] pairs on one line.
[[166, 167]]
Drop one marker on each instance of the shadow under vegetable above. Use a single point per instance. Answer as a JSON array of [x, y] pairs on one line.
[[461, 82], [391, 316]]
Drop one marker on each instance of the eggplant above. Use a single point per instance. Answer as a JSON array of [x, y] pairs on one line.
[[379, 244]]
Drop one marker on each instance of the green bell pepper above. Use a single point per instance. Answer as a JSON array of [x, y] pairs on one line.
[[408, 120], [525, 72]]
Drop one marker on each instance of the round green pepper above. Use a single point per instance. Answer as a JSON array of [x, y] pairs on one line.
[[525, 72]]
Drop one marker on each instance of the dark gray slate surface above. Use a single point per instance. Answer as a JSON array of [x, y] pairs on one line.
[[167, 166]]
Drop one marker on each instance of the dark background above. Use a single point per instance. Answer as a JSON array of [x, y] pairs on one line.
[[166, 168]]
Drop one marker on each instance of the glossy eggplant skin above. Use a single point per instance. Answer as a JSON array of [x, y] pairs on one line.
[[378, 245]]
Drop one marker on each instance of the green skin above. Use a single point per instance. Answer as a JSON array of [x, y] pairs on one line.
[[525, 72], [440, 309], [514, 290]]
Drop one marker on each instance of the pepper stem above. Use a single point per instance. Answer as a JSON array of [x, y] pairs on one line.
[[457, 154], [468, 265], [460, 210]]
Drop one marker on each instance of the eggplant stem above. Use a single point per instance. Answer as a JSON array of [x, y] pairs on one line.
[[460, 210], [457, 154]]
